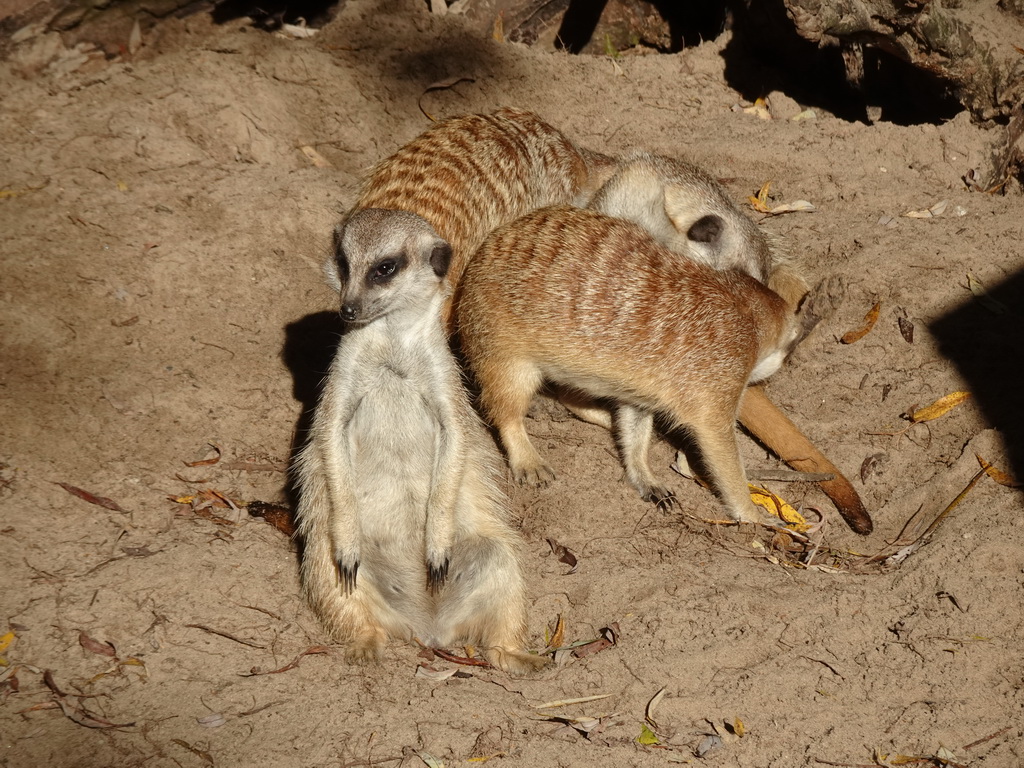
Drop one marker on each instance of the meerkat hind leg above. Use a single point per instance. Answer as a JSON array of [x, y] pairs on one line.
[[484, 602], [506, 397], [634, 430], [721, 457]]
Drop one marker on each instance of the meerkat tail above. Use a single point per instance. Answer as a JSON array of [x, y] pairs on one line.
[[773, 428]]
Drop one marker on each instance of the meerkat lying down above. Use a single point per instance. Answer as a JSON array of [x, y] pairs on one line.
[[594, 303], [405, 534]]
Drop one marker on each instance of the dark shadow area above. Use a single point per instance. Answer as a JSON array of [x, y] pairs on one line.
[[309, 346], [271, 14], [766, 54], [985, 341]]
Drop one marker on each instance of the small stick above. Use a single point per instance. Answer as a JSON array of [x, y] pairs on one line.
[[789, 475], [987, 738], [226, 635]]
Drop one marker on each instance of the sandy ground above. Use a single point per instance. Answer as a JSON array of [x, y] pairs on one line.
[[161, 293]]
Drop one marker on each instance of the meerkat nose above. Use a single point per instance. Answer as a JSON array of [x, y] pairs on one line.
[[349, 313]]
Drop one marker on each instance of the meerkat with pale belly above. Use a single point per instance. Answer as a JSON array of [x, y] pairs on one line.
[[639, 326], [405, 531]]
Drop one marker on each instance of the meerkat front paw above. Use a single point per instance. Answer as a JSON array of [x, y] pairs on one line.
[[437, 573], [347, 574]]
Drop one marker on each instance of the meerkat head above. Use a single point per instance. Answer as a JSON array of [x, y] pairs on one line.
[[719, 234], [386, 261], [685, 210]]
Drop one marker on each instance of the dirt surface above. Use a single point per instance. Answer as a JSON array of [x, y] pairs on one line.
[[163, 232]]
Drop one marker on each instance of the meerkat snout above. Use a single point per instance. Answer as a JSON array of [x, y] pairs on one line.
[[377, 255]]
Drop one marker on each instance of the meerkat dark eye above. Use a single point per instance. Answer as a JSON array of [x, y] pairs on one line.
[[385, 270]]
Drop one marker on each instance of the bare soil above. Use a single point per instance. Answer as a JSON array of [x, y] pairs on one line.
[[162, 235]]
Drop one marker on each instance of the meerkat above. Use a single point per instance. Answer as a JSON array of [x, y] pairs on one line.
[[467, 175], [690, 213], [639, 326], [405, 531]]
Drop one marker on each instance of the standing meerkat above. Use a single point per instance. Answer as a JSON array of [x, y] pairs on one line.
[[405, 532], [639, 325]]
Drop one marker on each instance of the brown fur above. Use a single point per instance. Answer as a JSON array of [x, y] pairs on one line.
[[593, 303], [468, 175]]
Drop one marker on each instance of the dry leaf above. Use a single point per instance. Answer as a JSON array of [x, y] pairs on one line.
[[869, 322], [206, 462], [100, 501], [434, 674], [215, 720], [318, 160], [558, 637], [568, 702], [646, 737], [564, 555], [277, 515], [430, 760], [774, 505], [96, 646], [651, 706], [996, 474], [609, 637], [906, 329], [135, 38], [313, 649], [929, 213], [939, 407], [978, 289], [761, 109], [298, 31], [760, 202]]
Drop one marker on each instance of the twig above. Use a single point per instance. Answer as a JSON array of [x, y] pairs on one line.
[[987, 738], [226, 635], [255, 671], [789, 475]]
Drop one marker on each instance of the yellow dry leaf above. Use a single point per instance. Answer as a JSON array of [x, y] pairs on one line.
[[996, 474], [869, 322], [6, 641], [737, 725], [498, 30], [776, 506], [978, 288], [183, 499], [760, 203], [122, 187], [760, 109], [559, 636], [939, 407], [647, 736]]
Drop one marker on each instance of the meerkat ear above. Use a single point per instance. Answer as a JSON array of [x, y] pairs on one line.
[[707, 229], [441, 257]]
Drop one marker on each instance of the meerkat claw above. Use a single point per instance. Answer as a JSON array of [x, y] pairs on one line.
[[436, 576], [662, 498], [347, 576], [538, 477]]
